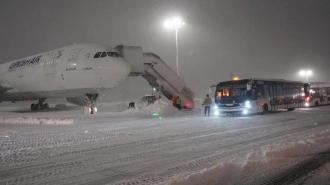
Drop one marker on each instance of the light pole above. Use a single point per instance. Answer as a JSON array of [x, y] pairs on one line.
[[175, 23], [306, 74]]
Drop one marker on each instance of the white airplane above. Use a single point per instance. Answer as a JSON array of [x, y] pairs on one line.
[[77, 73]]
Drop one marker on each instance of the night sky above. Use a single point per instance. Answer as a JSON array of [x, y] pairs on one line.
[[251, 38]]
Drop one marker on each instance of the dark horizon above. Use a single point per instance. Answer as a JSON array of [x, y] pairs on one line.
[[252, 39]]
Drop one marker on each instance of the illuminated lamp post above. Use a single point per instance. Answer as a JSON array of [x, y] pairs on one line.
[[170, 24], [306, 74]]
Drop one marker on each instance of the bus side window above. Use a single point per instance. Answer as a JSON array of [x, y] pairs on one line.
[[292, 92], [253, 94], [260, 91], [306, 90], [279, 90], [266, 91]]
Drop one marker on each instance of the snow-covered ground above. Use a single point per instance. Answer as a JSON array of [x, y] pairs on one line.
[[158, 144]]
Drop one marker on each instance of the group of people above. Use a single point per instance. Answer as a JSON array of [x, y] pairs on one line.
[[176, 102], [206, 102]]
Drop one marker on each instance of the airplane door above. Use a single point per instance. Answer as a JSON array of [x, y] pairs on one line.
[[72, 64], [49, 65]]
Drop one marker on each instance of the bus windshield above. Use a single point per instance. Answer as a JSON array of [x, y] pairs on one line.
[[232, 91]]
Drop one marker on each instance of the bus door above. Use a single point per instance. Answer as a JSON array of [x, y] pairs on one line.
[[273, 97], [286, 96], [321, 94]]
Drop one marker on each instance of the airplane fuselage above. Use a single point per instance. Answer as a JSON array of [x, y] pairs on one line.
[[71, 71]]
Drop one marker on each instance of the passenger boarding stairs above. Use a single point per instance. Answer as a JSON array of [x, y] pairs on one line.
[[158, 74]]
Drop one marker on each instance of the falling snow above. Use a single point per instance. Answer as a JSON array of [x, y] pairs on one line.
[[137, 146]]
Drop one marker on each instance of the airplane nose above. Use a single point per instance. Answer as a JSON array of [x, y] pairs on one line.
[[125, 69], [112, 72]]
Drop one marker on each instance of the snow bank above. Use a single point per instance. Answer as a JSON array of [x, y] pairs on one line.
[[162, 107], [113, 107], [273, 154], [36, 121]]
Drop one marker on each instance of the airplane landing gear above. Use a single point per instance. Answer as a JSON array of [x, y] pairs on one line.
[[87, 110], [94, 109], [40, 105], [91, 101]]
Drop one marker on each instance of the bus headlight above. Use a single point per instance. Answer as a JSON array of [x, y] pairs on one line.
[[216, 112], [245, 111], [247, 104], [215, 107], [306, 104]]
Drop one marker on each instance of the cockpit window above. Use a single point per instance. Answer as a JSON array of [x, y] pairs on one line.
[[97, 55], [104, 54], [113, 54]]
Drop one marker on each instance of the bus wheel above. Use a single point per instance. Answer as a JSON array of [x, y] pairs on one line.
[[290, 109], [265, 108], [316, 103]]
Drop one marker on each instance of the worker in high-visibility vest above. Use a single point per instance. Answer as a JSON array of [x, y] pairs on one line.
[[207, 103], [174, 101], [178, 103]]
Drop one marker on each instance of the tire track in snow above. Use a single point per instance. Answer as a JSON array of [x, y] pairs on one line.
[[51, 170], [301, 170], [205, 162], [148, 139]]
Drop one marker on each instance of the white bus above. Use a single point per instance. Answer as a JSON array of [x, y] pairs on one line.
[[249, 96], [317, 93]]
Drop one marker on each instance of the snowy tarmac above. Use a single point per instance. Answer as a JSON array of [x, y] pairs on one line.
[[157, 144]]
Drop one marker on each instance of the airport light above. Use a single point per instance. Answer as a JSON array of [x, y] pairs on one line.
[[170, 24], [306, 74], [235, 78]]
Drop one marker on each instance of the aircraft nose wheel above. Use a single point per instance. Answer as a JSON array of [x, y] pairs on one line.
[[91, 101], [90, 110], [94, 110], [87, 110]]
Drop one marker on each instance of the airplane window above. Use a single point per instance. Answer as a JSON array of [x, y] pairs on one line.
[[97, 55], [104, 54], [113, 54]]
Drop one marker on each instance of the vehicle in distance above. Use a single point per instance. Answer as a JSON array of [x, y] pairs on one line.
[[317, 93]]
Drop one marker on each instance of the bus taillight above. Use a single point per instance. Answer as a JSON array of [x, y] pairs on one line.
[[307, 99]]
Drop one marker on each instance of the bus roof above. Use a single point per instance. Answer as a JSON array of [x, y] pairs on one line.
[[319, 84], [245, 81]]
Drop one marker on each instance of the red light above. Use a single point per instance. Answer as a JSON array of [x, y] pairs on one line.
[[189, 104], [307, 99]]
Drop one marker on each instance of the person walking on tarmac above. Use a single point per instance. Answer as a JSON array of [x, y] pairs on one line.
[[178, 103], [207, 102], [174, 101]]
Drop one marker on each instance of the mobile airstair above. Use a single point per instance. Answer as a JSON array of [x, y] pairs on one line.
[[157, 73]]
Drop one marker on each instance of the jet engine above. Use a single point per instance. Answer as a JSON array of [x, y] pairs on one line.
[[76, 101]]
